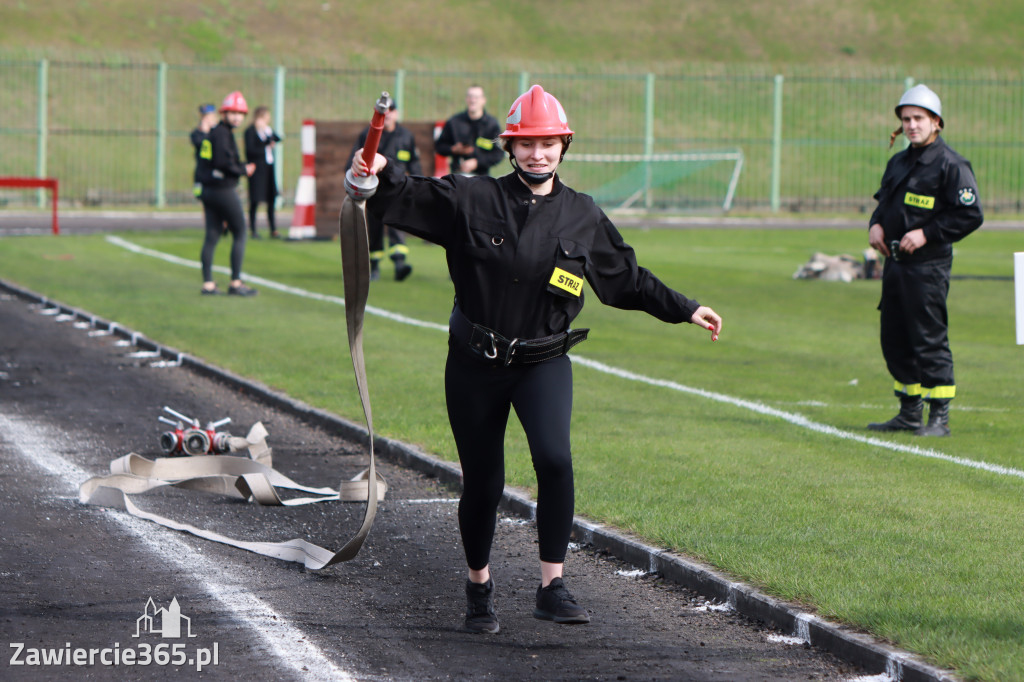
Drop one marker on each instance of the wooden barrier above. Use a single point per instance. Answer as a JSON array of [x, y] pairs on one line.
[[35, 183], [334, 141]]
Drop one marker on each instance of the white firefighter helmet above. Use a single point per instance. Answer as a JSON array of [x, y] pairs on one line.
[[922, 96]]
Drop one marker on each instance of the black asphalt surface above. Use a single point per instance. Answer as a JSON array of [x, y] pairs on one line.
[[77, 577]]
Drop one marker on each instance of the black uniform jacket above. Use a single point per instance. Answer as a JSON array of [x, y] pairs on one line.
[[518, 260], [399, 146], [219, 164], [197, 136], [480, 133], [262, 183], [931, 188]]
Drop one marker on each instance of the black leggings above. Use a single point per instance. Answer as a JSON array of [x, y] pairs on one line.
[[222, 205], [479, 396], [253, 205]]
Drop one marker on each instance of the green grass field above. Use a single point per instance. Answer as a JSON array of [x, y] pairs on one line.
[[917, 549], [529, 32]]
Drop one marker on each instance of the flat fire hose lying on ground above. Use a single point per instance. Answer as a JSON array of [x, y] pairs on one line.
[[253, 477]]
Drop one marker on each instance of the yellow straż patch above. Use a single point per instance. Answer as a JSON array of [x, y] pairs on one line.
[[567, 281]]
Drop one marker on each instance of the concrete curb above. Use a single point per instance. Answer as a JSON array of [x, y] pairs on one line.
[[874, 656]]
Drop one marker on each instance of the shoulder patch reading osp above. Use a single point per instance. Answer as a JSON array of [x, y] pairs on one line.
[[967, 196], [567, 281], [919, 201]]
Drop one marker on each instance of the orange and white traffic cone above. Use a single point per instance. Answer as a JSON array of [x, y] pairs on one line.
[[304, 217]]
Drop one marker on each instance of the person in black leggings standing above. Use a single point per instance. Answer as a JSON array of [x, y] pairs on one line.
[[519, 248], [218, 169]]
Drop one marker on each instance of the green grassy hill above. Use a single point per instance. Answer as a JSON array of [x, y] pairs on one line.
[[407, 33]]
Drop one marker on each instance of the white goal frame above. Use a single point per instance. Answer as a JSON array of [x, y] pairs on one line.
[[735, 156]]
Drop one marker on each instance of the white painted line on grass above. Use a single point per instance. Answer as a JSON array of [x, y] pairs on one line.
[[760, 408], [798, 419], [277, 286], [40, 444]]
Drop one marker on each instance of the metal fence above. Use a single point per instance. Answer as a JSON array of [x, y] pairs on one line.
[[809, 139]]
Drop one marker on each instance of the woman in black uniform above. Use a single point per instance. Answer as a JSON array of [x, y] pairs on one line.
[[518, 249], [218, 169]]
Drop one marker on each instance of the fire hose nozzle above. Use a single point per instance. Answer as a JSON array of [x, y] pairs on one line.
[[360, 187]]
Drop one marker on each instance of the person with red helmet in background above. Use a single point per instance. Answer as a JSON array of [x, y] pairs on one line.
[[219, 167], [519, 248]]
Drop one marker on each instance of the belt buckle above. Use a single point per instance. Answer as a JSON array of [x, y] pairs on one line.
[[894, 249]]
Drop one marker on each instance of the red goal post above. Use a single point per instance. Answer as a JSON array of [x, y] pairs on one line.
[[35, 183]]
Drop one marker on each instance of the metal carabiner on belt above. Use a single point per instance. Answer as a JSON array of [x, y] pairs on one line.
[[510, 352], [493, 353]]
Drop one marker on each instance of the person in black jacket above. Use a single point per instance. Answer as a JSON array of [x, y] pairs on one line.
[[219, 169], [519, 248], [928, 200], [398, 144], [207, 120], [259, 140], [469, 137]]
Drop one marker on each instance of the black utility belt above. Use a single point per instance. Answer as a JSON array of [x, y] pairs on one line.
[[491, 345]]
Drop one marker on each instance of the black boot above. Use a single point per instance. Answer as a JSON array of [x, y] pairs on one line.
[[909, 418], [374, 269], [402, 269], [480, 607], [938, 419]]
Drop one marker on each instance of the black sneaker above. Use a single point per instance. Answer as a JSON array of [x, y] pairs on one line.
[[242, 290], [557, 604], [480, 607], [210, 292]]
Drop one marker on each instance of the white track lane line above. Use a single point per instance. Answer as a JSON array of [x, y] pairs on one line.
[[41, 444], [760, 408]]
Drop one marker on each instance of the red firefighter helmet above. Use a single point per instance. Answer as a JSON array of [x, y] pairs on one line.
[[235, 102], [536, 113]]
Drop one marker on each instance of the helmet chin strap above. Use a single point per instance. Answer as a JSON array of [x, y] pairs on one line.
[[535, 179], [532, 179]]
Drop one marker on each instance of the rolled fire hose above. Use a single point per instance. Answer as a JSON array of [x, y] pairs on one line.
[[253, 477]]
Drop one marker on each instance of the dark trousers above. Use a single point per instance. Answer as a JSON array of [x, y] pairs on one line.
[[479, 397], [262, 187], [375, 235], [914, 320], [220, 206], [253, 205]]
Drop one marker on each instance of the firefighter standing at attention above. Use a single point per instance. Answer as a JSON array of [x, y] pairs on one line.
[[927, 201], [519, 248]]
